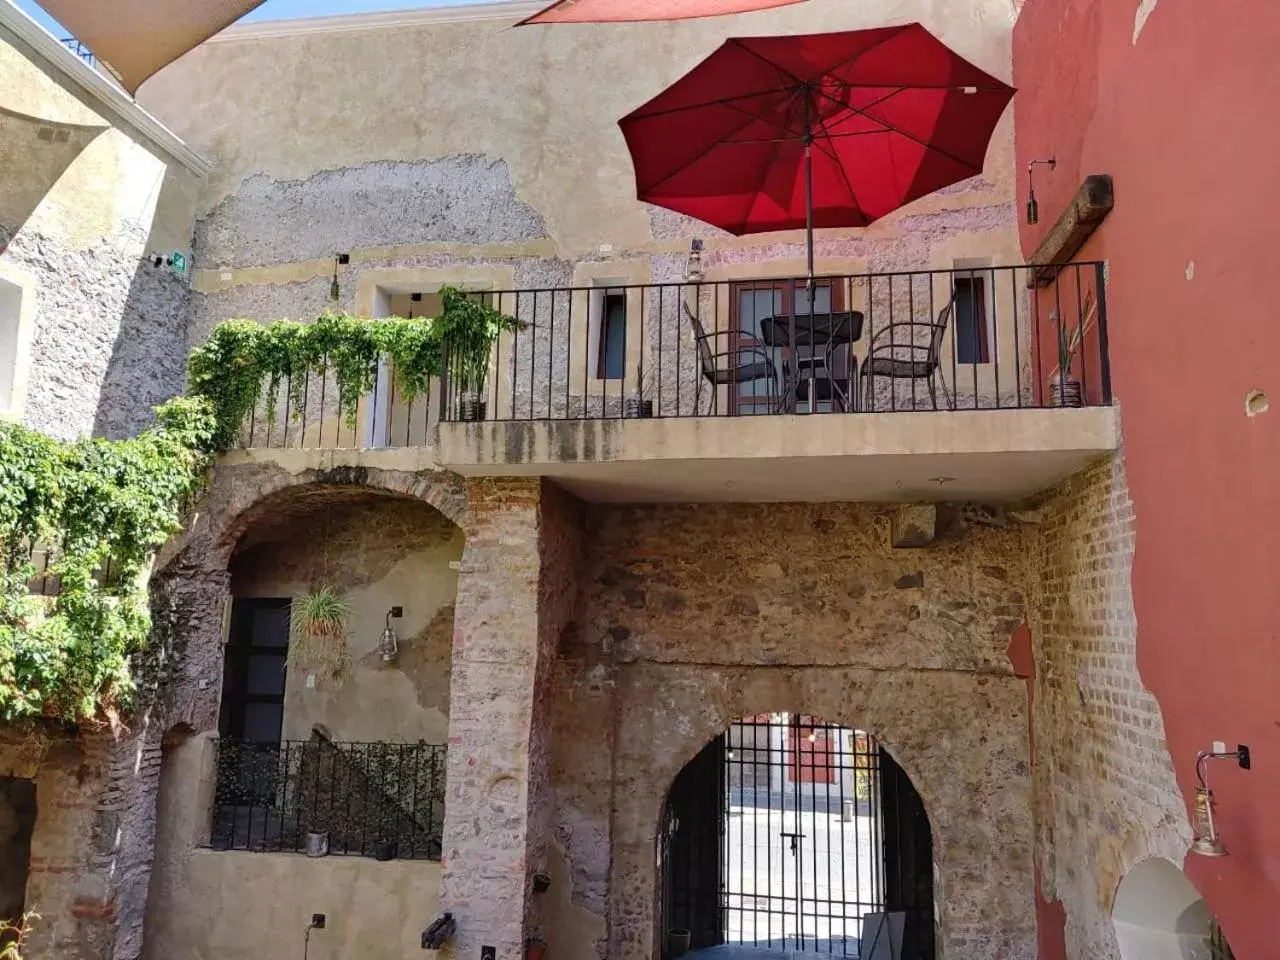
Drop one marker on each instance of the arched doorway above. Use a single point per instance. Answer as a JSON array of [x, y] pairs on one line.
[[1160, 915], [791, 834]]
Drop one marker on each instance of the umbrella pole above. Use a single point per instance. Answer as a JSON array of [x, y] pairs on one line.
[[808, 214]]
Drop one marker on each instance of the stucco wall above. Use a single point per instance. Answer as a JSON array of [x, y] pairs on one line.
[[379, 553], [81, 205], [237, 905], [1106, 87], [486, 146], [690, 617]]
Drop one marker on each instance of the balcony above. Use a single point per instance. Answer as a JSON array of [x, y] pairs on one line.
[[917, 385]]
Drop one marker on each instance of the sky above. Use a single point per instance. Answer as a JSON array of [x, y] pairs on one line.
[[275, 9]]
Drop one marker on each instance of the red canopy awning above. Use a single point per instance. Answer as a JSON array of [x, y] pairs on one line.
[[136, 38], [620, 11]]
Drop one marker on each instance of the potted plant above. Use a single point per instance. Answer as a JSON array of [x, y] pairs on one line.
[[318, 632], [468, 327], [637, 406], [317, 843], [1064, 389]]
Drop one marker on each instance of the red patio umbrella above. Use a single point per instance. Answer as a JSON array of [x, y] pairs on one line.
[[819, 130], [618, 11]]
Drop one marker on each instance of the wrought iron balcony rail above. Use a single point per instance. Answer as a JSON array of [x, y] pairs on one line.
[[986, 338], [383, 800]]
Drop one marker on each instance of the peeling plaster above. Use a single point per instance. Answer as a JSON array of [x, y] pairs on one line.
[[460, 199], [1145, 9]]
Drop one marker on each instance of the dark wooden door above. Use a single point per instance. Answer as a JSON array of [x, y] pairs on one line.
[[691, 847], [908, 859]]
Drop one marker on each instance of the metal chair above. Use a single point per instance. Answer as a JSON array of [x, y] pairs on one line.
[[718, 372], [908, 359]]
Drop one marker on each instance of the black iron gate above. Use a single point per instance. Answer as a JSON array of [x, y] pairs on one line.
[[786, 831]]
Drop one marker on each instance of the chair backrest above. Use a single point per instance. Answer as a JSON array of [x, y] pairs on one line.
[[705, 355], [939, 331]]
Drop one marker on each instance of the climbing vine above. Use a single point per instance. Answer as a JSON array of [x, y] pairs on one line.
[[244, 362], [101, 508]]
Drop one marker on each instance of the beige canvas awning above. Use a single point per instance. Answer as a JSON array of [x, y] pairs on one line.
[[34, 153], [619, 11], [135, 38]]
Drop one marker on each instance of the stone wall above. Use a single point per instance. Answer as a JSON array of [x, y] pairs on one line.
[[82, 205], [109, 343], [481, 190], [691, 617], [515, 597], [1105, 793]]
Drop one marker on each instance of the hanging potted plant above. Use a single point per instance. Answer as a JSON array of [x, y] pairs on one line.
[[318, 633], [1064, 389], [468, 327]]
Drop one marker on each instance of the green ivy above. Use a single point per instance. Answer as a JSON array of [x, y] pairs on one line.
[[101, 505], [243, 358], [109, 505]]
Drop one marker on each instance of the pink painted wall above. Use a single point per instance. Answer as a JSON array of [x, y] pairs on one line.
[[1187, 121]]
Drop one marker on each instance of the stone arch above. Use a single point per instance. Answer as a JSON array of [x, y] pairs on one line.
[[790, 793], [1160, 915], [190, 589], [960, 738]]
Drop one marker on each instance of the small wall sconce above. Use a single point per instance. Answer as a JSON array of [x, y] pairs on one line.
[[1033, 207], [693, 269], [335, 291], [389, 643], [1207, 842]]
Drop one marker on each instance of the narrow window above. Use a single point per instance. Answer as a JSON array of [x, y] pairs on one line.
[[613, 337], [10, 312], [971, 320]]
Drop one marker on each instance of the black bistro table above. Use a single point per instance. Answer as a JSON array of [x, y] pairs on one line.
[[817, 337]]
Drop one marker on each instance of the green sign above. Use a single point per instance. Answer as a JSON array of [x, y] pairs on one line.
[[179, 263]]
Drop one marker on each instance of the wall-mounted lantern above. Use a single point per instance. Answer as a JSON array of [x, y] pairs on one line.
[[389, 643], [1207, 842], [1033, 207]]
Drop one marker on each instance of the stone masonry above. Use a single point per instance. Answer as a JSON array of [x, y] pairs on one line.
[[1105, 793], [690, 617], [515, 595]]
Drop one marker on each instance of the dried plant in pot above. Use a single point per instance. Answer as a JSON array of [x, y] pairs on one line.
[[638, 406], [1064, 389], [318, 633]]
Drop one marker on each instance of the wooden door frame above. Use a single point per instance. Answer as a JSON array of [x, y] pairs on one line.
[[790, 287]]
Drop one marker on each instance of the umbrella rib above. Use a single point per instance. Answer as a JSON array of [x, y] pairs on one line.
[[889, 127], [844, 174], [750, 118], [764, 176], [721, 102]]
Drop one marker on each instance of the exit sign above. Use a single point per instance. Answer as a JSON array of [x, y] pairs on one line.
[[179, 263]]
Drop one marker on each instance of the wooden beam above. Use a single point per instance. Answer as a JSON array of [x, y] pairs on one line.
[[1090, 206]]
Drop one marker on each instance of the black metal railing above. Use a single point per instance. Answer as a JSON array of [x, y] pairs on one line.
[[80, 50], [367, 799], [965, 339]]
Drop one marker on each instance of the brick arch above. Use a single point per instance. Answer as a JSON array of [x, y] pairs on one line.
[[267, 493], [241, 492], [976, 793]]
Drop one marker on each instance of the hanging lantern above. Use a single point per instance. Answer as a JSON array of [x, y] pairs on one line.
[[389, 643], [1207, 842]]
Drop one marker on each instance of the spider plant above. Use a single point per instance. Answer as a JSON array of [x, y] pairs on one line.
[[318, 632]]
